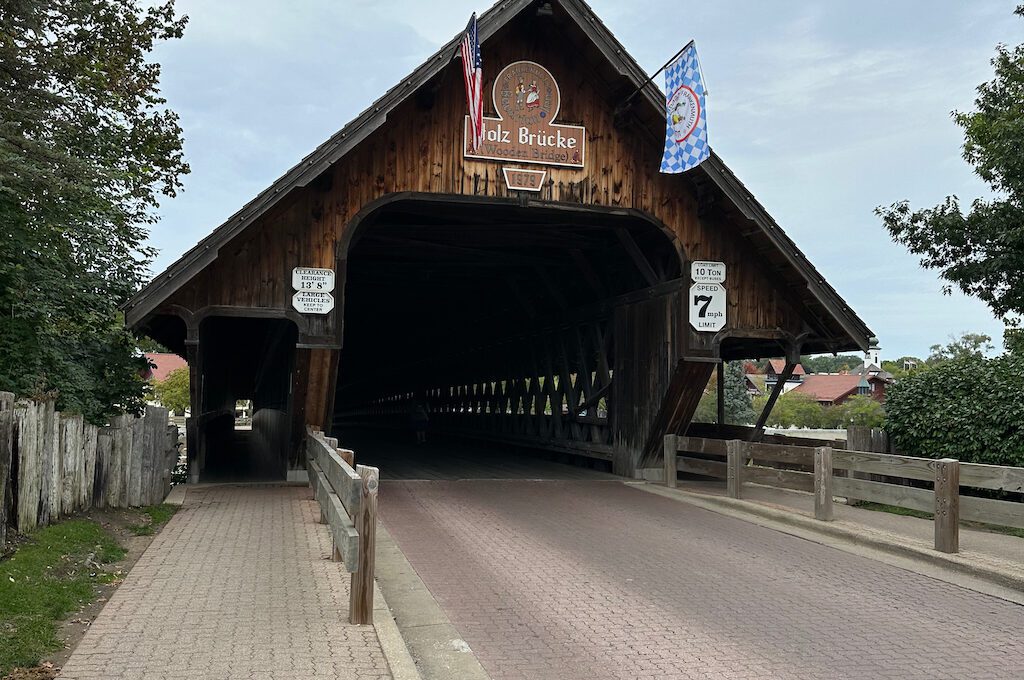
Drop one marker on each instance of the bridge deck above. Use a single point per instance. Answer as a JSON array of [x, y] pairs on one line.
[[398, 457], [573, 579]]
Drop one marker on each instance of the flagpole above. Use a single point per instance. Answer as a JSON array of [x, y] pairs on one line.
[[622, 107]]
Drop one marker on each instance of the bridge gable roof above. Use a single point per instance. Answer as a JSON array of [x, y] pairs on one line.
[[771, 236]]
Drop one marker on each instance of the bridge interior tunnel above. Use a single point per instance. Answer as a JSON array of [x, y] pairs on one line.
[[496, 318], [245, 359]]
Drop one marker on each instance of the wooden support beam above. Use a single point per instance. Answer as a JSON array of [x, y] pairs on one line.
[[720, 384], [590, 402], [523, 301], [552, 289], [637, 255], [502, 257], [735, 459], [589, 274], [787, 373], [671, 460], [823, 483], [947, 505], [677, 405]]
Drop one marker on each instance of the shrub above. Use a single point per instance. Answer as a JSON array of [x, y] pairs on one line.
[[860, 409], [970, 409], [793, 409]]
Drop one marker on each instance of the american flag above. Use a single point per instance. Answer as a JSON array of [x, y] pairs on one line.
[[472, 72]]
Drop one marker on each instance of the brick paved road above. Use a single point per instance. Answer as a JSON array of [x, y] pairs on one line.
[[574, 580], [237, 585]]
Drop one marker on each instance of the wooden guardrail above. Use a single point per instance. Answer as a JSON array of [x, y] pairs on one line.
[[757, 463], [348, 505]]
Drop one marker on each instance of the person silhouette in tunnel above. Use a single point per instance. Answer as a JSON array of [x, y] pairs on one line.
[[419, 419]]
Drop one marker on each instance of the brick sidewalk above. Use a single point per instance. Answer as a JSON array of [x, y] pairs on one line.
[[237, 585], [592, 580]]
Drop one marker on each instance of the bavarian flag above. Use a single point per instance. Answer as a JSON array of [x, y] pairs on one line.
[[686, 134]]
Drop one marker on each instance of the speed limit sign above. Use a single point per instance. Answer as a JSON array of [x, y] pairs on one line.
[[707, 303]]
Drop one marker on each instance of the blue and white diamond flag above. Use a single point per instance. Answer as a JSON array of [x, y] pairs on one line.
[[686, 135]]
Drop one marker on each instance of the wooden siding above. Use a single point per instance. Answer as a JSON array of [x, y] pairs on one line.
[[418, 149]]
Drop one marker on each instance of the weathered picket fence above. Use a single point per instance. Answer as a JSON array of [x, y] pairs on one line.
[[813, 469], [348, 505], [53, 465]]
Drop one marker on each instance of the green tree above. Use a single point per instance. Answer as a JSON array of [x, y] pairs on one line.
[[967, 346], [793, 409], [980, 252], [860, 409], [147, 344], [738, 402], [173, 391], [707, 407], [86, 146], [1013, 341], [904, 366], [831, 364], [971, 409]]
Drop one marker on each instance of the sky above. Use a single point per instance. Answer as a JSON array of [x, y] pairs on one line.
[[825, 110]]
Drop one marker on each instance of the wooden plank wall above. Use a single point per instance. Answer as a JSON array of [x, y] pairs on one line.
[[419, 148], [549, 391], [57, 465], [650, 341]]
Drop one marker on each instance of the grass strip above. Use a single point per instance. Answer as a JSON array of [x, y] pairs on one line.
[[896, 510], [158, 515], [52, 574]]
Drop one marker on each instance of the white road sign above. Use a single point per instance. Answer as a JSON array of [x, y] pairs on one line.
[[313, 302], [311, 278], [707, 307], [703, 271]]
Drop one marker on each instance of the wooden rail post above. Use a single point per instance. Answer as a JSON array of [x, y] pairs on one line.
[[823, 483], [947, 505], [736, 456], [361, 592], [6, 458], [671, 449]]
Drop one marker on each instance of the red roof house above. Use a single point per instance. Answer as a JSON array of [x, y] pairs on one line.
[[165, 363], [829, 389], [776, 366]]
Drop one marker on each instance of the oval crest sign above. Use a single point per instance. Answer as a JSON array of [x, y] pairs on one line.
[[526, 98], [684, 112]]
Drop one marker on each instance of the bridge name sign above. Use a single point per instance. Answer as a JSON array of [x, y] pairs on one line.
[[526, 98]]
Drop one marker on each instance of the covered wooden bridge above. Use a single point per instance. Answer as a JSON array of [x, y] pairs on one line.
[[536, 291]]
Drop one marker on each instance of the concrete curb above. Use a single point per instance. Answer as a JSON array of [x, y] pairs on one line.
[[396, 653], [845, 532], [177, 495], [433, 644]]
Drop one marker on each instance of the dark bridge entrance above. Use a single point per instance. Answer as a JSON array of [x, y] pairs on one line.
[[504, 320]]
